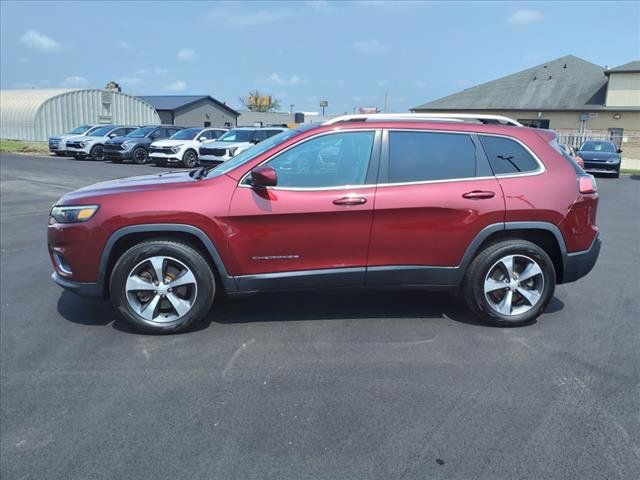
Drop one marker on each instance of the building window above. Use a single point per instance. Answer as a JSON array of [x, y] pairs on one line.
[[207, 124], [534, 122]]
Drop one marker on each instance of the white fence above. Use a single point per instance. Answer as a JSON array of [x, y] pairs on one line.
[[575, 139]]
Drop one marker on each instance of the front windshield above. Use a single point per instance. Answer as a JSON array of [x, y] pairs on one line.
[[237, 136], [100, 132], [252, 152], [80, 129], [186, 134], [598, 147], [140, 132]]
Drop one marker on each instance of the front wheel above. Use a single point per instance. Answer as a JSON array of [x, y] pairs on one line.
[[162, 286], [97, 153], [509, 283], [190, 159], [139, 155]]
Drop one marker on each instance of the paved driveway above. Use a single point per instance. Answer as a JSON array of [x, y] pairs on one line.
[[347, 385]]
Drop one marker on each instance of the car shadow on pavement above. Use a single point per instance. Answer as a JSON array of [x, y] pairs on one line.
[[304, 305]]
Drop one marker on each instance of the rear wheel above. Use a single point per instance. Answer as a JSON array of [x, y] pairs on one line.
[[509, 283], [139, 155], [190, 159], [162, 286], [97, 153]]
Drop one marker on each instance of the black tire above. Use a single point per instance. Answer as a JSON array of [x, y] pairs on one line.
[[616, 174], [140, 155], [473, 286], [190, 159], [192, 258], [97, 153]]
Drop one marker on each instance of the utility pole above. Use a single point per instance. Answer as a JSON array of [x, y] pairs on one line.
[[386, 102]]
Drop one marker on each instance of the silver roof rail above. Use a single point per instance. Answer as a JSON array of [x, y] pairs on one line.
[[433, 117]]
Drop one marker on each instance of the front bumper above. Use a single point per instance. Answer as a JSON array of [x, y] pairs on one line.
[[601, 167], [80, 152], [579, 264], [117, 154], [213, 158], [165, 157], [89, 290]]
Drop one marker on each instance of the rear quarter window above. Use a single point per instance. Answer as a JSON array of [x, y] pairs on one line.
[[508, 156]]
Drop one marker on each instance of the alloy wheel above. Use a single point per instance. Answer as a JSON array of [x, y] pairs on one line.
[[514, 285], [161, 289]]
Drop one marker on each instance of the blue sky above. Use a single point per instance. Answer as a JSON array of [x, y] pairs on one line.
[[349, 53]]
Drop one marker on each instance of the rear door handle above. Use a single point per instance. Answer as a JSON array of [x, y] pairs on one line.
[[479, 194], [350, 201]]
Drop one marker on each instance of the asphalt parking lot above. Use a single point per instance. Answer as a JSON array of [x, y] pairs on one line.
[[326, 385]]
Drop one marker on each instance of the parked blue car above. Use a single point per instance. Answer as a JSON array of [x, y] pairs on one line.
[[601, 156]]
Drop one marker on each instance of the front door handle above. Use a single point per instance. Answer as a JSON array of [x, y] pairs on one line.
[[350, 201], [479, 194]]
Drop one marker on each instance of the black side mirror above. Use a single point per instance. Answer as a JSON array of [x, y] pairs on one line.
[[112, 135], [255, 141], [619, 151]]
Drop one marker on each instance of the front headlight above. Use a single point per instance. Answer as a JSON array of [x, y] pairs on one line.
[[232, 151], [72, 213], [176, 148], [126, 145]]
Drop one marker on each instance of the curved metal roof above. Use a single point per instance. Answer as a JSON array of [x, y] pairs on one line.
[[19, 107]]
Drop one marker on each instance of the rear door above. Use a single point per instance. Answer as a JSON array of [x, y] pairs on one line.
[[436, 193], [316, 221]]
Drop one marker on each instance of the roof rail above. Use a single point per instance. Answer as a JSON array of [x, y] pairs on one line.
[[432, 117]]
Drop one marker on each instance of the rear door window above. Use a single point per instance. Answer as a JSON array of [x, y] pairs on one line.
[[508, 156], [426, 156]]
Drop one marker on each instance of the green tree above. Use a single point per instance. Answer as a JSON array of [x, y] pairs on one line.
[[257, 102]]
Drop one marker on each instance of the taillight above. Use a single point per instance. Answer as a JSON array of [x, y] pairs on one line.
[[587, 184]]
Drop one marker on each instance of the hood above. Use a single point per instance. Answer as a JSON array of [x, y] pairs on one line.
[[169, 143], [128, 184], [597, 156], [121, 140], [65, 136], [224, 145]]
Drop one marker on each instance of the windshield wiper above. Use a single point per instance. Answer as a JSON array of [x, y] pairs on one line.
[[200, 173]]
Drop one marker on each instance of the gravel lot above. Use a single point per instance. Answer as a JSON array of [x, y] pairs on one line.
[[333, 385]]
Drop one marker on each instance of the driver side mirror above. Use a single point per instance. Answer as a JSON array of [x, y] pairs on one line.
[[112, 135], [202, 139], [619, 151], [264, 176], [255, 141]]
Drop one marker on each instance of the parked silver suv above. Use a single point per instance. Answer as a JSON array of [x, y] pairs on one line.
[[57, 143], [91, 145]]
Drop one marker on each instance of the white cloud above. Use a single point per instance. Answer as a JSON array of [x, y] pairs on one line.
[[245, 18], [75, 81], [131, 81], [160, 71], [275, 79], [177, 86], [39, 41], [125, 46], [525, 16], [187, 55], [369, 47]]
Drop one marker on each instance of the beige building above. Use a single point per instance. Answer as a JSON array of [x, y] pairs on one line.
[[574, 97]]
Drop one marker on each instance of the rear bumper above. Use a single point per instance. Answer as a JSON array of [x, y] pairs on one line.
[[578, 264], [89, 290]]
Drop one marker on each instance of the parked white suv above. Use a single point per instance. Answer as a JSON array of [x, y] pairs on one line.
[[57, 143], [183, 146], [235, 141], [91, 144]]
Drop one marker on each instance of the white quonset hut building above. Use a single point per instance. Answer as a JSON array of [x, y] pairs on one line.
[[37, 114]]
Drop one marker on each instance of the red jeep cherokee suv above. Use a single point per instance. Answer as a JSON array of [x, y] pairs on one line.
[[497, 211]]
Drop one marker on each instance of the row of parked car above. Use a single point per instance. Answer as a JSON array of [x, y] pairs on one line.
[[159, 144]]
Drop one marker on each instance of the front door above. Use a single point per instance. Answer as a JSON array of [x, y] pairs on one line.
[[436, 193], [316, 221]]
